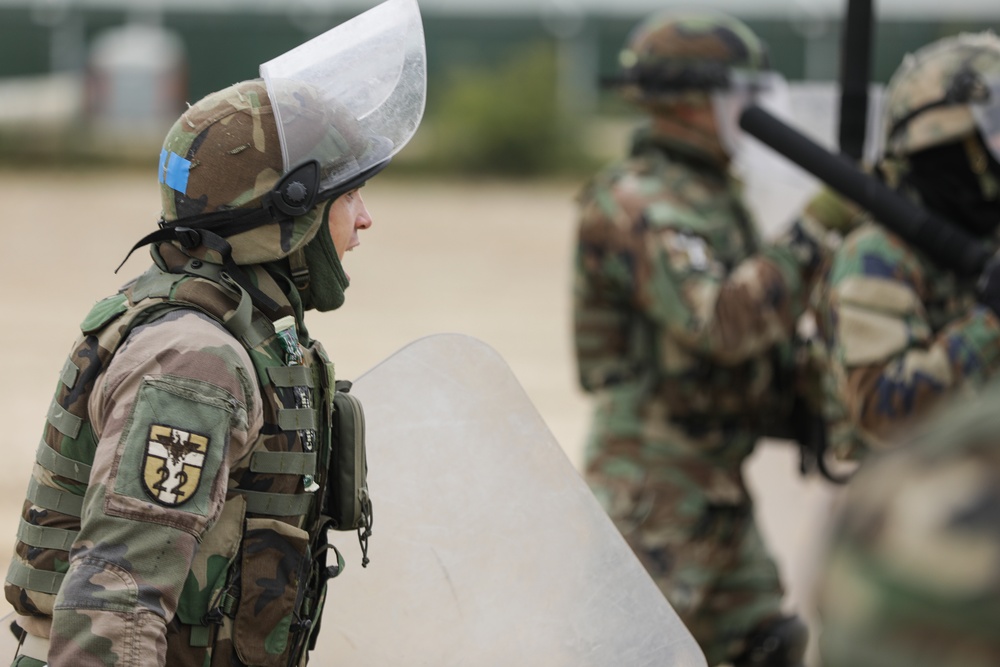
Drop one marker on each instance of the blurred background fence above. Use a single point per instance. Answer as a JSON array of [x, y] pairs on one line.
[[512, 83]]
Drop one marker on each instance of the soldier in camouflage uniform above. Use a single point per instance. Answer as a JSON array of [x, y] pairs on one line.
[[912, 579], [682, 319], [185, 480], [903, 332]]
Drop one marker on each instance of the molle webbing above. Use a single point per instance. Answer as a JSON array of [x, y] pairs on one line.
[[52, 498], [69, 374], [60, 480], [276, 504], [61, 465], [42, 581], [64, 422], [290, 463]]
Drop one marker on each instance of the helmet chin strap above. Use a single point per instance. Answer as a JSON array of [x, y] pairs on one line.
[[299, 268], [294, 195], [297, 193], [220, 245]]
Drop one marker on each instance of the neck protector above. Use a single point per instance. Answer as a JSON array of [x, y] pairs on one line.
[[326, 281]]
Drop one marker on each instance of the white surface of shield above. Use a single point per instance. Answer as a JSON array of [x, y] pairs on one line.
[[488, 548]]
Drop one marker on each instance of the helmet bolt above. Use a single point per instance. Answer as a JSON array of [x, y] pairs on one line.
[[295, 192]]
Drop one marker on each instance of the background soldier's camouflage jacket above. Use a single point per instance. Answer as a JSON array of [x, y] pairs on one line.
[[901, 333], [173, 513], [912, 577], [680, 318]]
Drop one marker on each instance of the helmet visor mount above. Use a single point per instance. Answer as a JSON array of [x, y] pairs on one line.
[[766, 89], [349, 99]]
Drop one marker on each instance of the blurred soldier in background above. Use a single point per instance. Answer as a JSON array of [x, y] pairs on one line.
[[912, 579], [184, 484], [682, 320], [903, 332]]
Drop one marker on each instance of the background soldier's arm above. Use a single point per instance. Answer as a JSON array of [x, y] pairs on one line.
[[889, 364], [731, 315], [674, 276]]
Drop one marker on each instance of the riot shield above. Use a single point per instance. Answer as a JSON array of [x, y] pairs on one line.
[[488, 548]]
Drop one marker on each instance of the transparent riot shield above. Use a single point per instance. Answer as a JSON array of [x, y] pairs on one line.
[[488, 547]]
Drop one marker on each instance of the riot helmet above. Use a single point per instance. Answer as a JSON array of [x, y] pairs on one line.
[[942, 128], [246, 170], [943, 92], [673, 57]]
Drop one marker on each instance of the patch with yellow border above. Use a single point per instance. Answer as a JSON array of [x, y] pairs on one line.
[[172, 465]]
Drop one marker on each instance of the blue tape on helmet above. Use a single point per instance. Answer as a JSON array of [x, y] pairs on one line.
[[174, 171]]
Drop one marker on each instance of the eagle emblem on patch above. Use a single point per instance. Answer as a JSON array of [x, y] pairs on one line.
[[171, 468]]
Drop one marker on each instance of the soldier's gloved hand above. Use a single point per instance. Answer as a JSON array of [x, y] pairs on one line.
[[988, 286], [807, 241], [833, 212]]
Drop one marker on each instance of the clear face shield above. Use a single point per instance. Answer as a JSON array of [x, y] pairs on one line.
[[986, 113], [774, 188], [348, 100], [766, 89]]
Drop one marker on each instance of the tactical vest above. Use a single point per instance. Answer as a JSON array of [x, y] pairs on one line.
[[621, 349], [275, 504]]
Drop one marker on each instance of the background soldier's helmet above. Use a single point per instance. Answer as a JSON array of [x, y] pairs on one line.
[[944, 92], [667, 55]]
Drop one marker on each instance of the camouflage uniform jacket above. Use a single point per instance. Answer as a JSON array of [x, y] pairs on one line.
[[679, 311], [901, 333], [911, 577], [173, 515]]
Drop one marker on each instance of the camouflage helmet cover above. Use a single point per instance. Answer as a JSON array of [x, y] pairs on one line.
[[669, 52], [223, 154], [934, 95]]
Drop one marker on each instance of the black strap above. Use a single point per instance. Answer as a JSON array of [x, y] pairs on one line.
[[192, 238], [221, 223], [214, 242]]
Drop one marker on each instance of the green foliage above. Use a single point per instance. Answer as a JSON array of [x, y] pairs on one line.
[[505, 120]]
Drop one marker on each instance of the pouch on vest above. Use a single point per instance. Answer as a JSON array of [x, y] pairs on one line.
[[348, 503], [274, 570]]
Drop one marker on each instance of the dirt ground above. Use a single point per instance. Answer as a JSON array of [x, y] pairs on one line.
[[490, 260]]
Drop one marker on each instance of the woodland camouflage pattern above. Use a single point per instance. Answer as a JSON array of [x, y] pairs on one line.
[[900, 332], [681, 318], [223, 153], [671, 46], [216, 571], [912, 577], [926, 77]]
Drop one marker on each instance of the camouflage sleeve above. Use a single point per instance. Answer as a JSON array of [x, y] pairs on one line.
[[889, 364], [175, 407], [911, 577], [669, 267]]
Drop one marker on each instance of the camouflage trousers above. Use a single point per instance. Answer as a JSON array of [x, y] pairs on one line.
[[681, 504]]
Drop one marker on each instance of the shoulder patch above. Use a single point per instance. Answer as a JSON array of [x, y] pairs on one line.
[[172, 465], [686, 251]]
